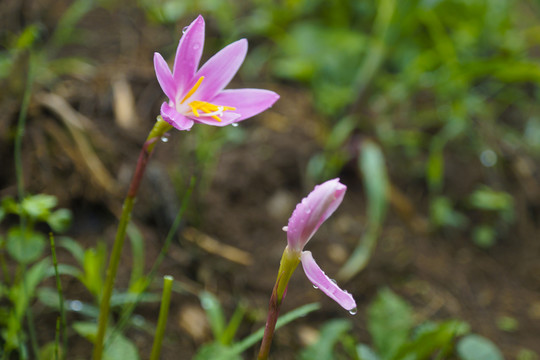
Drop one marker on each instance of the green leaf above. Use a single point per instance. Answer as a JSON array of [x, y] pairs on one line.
[[283, 320], [60, 220], [119, 348], [94, 268], [49, 297], [65, 269], [389, 322], [214, 313], [430, 338], [25, 247], [484, 236], [507, 323], [377, 186], [435, 169], [28, 37], [76, 250], [22, 293], [364, 352], [137, 249], [476, 347], [216, 351], [331, 334], [375, 181], [486, 198], [442, 213], [10, 205], [232, 327], [38, 206]]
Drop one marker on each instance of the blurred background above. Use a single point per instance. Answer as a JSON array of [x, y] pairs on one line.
[[428, 110]]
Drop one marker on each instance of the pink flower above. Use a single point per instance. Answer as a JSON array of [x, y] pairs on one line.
[[304, 222], [198, 95]]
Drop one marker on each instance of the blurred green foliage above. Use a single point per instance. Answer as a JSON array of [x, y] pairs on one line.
[[442, 85], [396, 335], [439, 86], [377, 187], [25, 244], [224, 347]]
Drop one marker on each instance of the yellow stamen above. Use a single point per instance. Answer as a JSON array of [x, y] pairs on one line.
[[193, 89], [211, 110]]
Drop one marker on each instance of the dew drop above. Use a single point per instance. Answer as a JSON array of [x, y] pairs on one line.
[[315, 287], [234, 124], [488, 158], [334, 281], [184, 29], [308, 211], [196, 46], [285, 228], [75, 305], [164, 139], [353, 311]]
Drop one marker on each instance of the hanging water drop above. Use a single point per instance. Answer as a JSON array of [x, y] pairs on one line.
[[353, 311], [234, 124], [184, 29], [285, 228], [315, 287], [164, 139]]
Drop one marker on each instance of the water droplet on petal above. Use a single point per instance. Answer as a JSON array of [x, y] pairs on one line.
[[285, 228], [315, 287], [164, 139], [334, 281], [353, 311], [196, 46], [235, 124], [308, 211], [75, 305], [184, 29]]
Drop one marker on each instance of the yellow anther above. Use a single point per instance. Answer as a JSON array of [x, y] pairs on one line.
[[211, 110], [193, 89]]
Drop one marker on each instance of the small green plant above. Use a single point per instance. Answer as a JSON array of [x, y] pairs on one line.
[[25, 246], [224, 347], [396, 337], [90, 271]]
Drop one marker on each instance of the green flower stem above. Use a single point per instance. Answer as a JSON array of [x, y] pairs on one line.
[[159, 129], [289, 262], [163, 314]]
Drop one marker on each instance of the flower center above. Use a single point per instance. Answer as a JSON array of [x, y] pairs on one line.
[[207, 109]]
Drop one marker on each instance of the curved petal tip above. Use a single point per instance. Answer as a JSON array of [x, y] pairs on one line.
[[321, 281]]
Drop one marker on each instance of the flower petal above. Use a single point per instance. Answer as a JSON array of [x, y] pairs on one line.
[[219, 70], [174, 118], [324, 283], [188, 55], [248, 102], [164, 76], [313, 211]]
